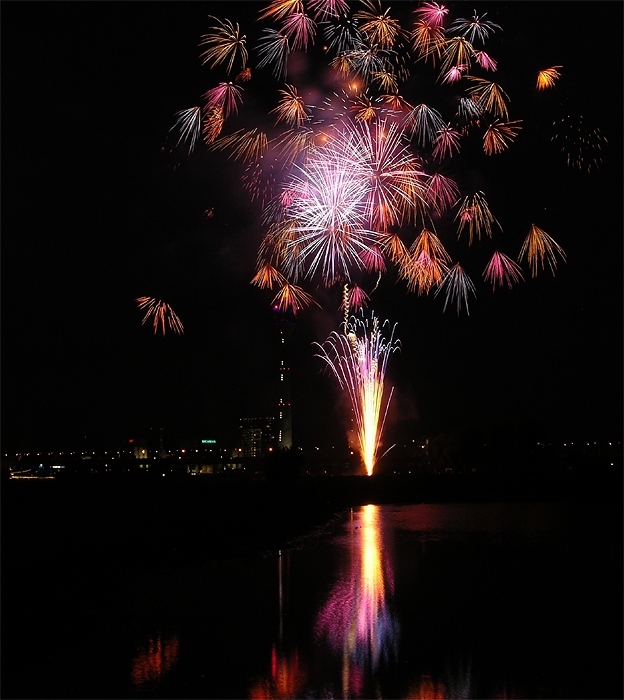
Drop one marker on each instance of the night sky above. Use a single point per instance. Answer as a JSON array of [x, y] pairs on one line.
[[94, 215]]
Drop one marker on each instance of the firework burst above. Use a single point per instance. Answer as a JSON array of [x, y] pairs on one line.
[[457, 285], [502, 269], [538, 247], [348, 178], [546, 78], [224, 42]]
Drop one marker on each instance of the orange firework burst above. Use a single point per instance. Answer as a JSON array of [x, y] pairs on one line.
[[279, 9], [379, 28], [248, 145], [474, 213], [213, 124], [363, 108], [291, 107], [427, 264], [161, 314], [539, 246], [499, 135], [546, 78], [291, 298], [489, 96], [224, 42], [428, 40], [267, 276], [457, 51]]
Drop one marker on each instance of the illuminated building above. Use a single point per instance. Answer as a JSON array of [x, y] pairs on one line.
[[285, 323], [256, 435]]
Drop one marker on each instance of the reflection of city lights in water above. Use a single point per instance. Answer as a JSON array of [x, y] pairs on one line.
[[456, 685], [286, 680], [153, 661], [356, 619]]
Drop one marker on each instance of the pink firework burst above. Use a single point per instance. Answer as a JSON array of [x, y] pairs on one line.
[[224, 97], [502, 269], [432, 13]]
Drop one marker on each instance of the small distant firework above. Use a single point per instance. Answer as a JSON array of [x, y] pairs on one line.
[[489, 96], [485, 61], [580, 143], [278, 9], [291, 108], [354, 298], [223, 97], [358, 358], [446, 140], [300, 30], [161, 314], [273, 49]]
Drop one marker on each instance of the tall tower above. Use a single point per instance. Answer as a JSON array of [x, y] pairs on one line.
[[285, 323]]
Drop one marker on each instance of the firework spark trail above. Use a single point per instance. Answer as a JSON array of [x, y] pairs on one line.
[[189, 125], [358, 358], [160, 312]]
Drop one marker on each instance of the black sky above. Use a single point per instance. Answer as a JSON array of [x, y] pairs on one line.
[[94, 216]]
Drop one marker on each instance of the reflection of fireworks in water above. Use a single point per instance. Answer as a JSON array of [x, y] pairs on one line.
[[152, 662], [160, 312], [356, 620], [358, 358]]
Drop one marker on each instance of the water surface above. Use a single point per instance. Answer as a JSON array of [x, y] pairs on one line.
[[513, 600]]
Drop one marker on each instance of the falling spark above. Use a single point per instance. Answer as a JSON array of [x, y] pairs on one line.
[[189, 125]]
